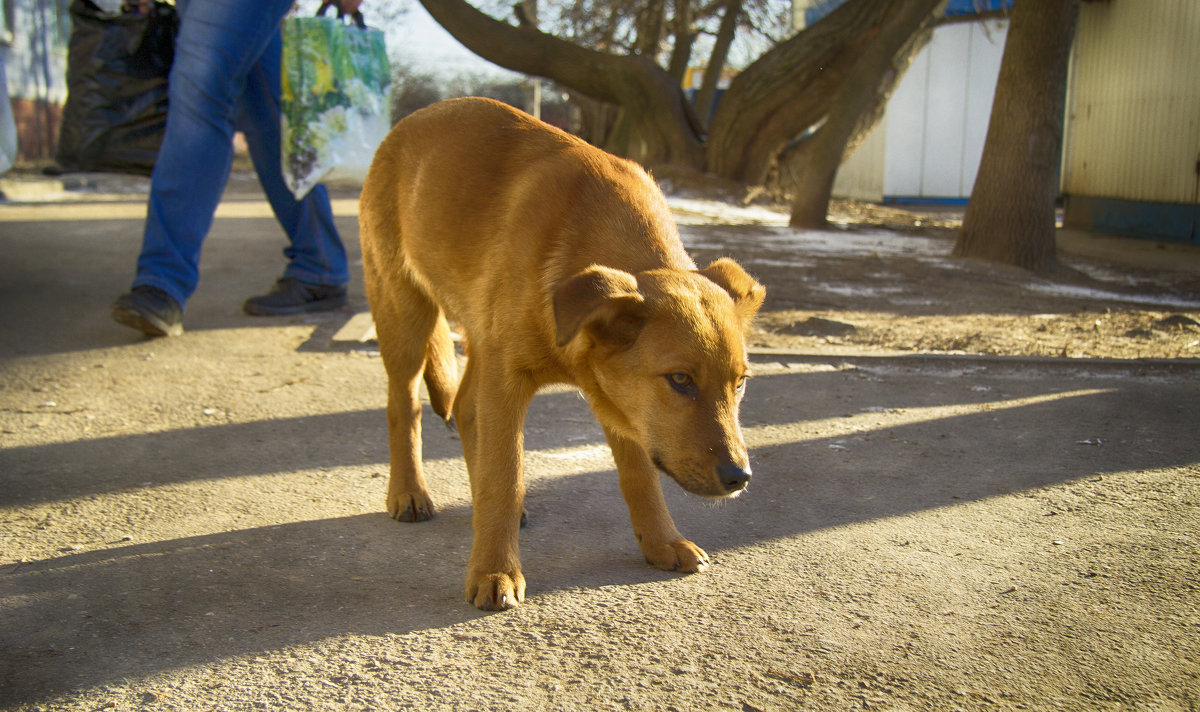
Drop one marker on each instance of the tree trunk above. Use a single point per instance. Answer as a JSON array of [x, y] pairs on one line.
[[788, 90], [858, 104], [595, 118], [1011, 215], [716, 63], [660, 124], [649, 21], [685, 36]]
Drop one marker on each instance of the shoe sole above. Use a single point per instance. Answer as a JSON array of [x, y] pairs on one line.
[[147, 325], [306, 308]]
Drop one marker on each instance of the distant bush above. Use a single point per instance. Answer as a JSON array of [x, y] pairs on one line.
[[413, 90]]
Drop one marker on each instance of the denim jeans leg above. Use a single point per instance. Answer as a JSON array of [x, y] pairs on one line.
[[315, 254], [218, 43]]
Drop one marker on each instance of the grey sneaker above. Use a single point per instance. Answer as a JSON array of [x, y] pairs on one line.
[[150, 310], [291, 296]]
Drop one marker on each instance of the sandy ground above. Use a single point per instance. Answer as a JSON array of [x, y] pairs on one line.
[[975, 489]]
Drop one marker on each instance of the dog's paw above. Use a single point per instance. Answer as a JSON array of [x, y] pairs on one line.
[[410, 506], [496, 592], [680, 555]]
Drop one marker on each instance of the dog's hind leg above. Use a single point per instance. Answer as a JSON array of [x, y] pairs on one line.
[[441, 369], [406, 321], [661, 543]]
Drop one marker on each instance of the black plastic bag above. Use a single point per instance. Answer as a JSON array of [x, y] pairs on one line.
[[116, 108]]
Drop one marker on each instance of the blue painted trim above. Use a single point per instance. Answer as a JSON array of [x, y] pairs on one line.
[[974, 7], [954, 8], [921, 200], [1173, 222]]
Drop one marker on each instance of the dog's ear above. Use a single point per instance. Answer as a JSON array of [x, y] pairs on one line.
[[603, 300], [748, 295]]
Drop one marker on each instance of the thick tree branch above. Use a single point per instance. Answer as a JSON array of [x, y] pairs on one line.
[[659, 121], [788, 90]]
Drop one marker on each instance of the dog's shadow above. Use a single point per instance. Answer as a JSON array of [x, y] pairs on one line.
[[134, 609], [89, 618]]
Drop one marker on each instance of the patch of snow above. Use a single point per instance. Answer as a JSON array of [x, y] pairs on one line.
[[708, 213], [716, 225], [771, 262], [1104, 275], [852, 290], [876, 243], [1073, 292], [692, 211]]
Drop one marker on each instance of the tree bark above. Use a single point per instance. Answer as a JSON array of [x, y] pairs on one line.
[[684, 34], [1010, 217], [650, 21], [661, 127], [788, 90], [858, 103]]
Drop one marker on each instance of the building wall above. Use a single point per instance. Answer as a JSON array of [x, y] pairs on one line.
[[33, 49], [860, 177], [1131, 156], [1131, 149], [932, 137], [1133, 121]]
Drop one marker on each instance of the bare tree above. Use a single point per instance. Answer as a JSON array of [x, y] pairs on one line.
[[683, 34], [660, 126], [707, 96], [1011, 214], [787, 91]]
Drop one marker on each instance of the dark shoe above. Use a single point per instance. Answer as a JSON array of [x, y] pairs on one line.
[[291, 296], [150, 310]]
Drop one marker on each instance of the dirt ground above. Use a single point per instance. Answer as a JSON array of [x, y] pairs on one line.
[[975, 489], [1086, 308]]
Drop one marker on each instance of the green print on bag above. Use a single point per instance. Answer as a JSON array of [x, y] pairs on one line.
[[334, 96]]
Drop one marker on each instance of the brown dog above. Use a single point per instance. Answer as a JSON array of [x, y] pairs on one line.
[[561, 264]]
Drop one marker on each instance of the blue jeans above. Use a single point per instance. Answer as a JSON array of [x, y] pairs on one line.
[[226, 77]]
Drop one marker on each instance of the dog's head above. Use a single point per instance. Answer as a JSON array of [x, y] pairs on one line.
[[663, 357]]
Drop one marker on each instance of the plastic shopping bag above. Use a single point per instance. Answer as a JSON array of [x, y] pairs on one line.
[[334, 96], [116, 108]]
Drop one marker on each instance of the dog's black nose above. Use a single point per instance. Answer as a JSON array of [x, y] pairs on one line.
[[733, 478]]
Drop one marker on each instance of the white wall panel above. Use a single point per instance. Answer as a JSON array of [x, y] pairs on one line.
[[937, 116], [945, 107], [905, 130]]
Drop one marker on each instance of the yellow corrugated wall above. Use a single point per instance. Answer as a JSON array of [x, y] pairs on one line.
[[1133, 111]]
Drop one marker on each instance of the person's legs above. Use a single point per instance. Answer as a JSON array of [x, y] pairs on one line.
[[219, 42]]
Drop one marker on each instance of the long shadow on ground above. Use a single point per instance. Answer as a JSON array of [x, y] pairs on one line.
[[129, 611]]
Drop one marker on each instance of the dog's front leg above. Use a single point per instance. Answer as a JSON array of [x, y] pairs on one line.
[[662, 544], [493, 413]]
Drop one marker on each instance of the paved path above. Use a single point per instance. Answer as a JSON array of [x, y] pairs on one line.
[[196, 523]]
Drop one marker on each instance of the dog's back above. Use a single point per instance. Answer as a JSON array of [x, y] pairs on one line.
[[527, 183]]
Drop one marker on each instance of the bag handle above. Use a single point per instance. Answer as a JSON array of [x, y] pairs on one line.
[[356, 15]]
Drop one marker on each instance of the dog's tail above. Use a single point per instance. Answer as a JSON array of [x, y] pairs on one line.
[[441, 369]]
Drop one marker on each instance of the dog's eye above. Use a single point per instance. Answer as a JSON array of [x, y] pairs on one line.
[[741, 385], [682, 383]]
